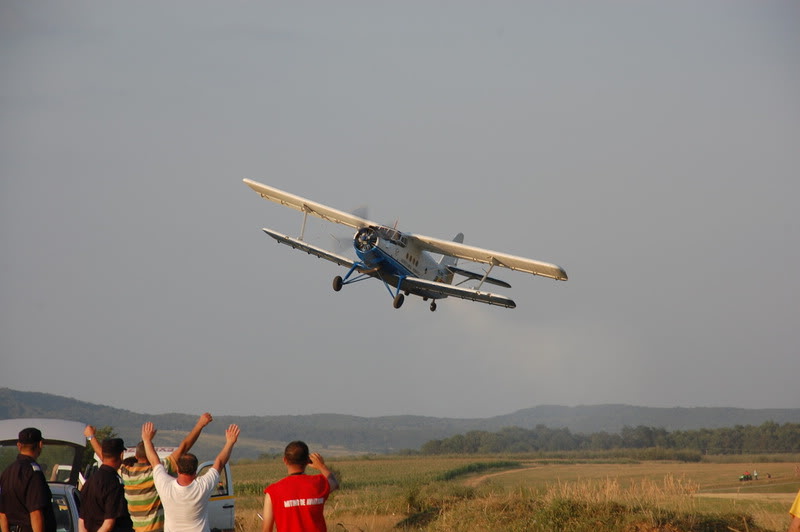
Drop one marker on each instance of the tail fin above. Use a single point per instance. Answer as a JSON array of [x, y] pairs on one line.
[[447, 260]]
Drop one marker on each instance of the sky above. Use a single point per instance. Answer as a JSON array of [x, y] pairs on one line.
[[651, 149]]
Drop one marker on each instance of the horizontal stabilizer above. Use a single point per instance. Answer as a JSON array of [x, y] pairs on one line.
[[478, 276]]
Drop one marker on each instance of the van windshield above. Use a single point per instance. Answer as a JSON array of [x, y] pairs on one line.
[[56, 459]]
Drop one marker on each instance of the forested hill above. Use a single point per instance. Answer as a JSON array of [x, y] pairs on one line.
[[343, 433], [612, 418]]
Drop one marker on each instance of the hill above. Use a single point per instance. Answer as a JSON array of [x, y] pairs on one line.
[[340, 433]]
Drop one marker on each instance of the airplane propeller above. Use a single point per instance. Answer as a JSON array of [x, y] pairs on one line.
[[366, 239], [344, 242]]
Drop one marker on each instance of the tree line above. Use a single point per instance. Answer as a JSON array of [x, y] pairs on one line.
[[769, 437]]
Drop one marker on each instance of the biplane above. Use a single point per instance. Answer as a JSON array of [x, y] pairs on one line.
[[404, 262]]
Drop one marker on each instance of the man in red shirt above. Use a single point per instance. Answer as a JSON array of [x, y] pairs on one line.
[[295, 503]]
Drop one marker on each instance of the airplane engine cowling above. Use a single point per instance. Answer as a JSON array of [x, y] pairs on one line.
[[366, 238]]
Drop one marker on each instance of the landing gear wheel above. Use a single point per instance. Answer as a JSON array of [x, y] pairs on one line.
[[337, 283], [398, 301], [433, 306]]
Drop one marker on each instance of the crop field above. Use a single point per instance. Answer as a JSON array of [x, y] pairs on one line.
[[515, 493]]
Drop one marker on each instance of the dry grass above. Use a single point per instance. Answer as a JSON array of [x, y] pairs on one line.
[[378, 493]]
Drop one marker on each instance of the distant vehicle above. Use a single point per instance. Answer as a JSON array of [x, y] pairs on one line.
[[402, 261], [60, 460]]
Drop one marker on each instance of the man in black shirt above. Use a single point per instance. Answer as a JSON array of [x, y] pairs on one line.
[[103, 504], [25, 498]]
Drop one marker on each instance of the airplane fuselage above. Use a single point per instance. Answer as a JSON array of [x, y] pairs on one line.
[[389, 252]]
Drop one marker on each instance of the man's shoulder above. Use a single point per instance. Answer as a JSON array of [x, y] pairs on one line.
[[95, 479], [211, 471], [310, 478], [209, 479], [26, 464], [24, 469], [104, 473], [318, 482], [160, 473], [298, 479], [136, 469]]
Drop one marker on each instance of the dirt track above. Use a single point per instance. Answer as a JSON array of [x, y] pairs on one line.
[[473, 482]]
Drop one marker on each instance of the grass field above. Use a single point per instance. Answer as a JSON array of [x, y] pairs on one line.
[[465, 493]]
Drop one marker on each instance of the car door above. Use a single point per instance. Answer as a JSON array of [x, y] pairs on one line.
[[221, 507]]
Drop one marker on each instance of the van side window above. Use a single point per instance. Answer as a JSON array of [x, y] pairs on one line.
[[222, 487]]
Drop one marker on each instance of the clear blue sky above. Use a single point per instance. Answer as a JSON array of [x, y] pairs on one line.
[[650, 148]]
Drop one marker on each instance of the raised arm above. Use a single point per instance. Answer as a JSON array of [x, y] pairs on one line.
[[191, 438], [148, 433], [91, 435], [231, 435], [318, 463]]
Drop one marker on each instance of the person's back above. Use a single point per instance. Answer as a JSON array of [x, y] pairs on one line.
[[185, 499], [144, 503], [24, 494], [103, 504], [298, 502], [185, 507]]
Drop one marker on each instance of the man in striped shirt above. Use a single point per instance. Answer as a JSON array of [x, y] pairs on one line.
[[144, 503]]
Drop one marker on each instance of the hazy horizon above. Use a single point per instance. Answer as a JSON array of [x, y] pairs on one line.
[[502, 414]]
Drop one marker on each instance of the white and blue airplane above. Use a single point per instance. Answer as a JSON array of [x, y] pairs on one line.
[[402, 261]]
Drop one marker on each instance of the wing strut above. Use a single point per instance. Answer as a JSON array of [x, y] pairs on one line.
[[486, 275], [305, 217]]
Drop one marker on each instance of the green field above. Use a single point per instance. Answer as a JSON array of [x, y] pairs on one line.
[[517, 493]]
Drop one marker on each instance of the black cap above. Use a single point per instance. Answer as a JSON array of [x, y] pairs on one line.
[[113, 446], [30, 435]]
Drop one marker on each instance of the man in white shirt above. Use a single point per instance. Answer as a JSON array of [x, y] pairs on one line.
[[185, 499]]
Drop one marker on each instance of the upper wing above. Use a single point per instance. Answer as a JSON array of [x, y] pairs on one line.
[[497, 258], [307, 206]]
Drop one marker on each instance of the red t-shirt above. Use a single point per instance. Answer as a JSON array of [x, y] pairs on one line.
[[298, 501]]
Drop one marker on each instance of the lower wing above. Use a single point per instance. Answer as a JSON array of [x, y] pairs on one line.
[[434, 289], [310, 249]]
